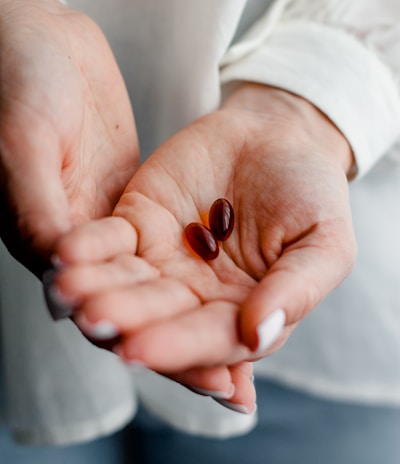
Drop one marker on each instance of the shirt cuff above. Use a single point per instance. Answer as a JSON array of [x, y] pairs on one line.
[[335, 72]]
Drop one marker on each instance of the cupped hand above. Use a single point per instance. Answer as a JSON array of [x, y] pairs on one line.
[[68, 142], [281, 164]]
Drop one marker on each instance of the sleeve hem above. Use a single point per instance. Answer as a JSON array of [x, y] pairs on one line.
[[336, 73]]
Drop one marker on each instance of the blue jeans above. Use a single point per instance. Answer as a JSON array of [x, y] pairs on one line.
[[110, 450], [293, 428]]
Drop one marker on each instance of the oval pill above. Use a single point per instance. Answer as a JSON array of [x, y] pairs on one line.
[[202, 241], [221, 219]]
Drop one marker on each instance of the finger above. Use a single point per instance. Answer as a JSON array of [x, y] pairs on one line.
[[244, 398], [204, 337], [232, 386], [97, 240], [207, 381], [66, 288], [293, 286], [160, 233], [133, 307], [34, 206], [74, 283]]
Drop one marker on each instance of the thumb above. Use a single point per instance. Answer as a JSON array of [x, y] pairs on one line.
[[293, 286], [33, 204]]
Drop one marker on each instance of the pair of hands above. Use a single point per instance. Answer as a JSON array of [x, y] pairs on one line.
[[68, 149]]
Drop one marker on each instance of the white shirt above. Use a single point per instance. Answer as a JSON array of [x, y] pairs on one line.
[[178, 58]]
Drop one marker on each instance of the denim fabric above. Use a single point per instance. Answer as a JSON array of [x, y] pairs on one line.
[[293, 428]]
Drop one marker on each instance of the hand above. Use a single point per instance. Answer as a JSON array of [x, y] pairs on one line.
[[68, 143], [282, 165]]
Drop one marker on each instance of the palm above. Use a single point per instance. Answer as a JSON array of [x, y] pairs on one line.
[[181, 180], [66, 125], [292, 242], [174, 187]]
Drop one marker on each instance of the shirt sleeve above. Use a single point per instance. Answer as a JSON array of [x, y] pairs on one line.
[[344, 57]]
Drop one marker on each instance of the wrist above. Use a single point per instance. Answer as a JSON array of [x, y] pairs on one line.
[[263, 99]]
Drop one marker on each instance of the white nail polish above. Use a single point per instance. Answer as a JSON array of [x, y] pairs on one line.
[[270, 329], [135, 366], [215, 394], [101, 330], [57, 304], [241, 408]]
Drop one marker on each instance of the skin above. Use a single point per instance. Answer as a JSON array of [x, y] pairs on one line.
[[68, 144], [282, 165]]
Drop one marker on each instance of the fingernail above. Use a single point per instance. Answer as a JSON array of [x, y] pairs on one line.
[[222, 395], [270, 329], [133, 363], [56, 262], [106, 343], [57, 304], [100, 330], [241, 408]]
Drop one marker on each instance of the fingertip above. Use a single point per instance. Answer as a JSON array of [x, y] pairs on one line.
[[248, 330], [236, 407], [244, 396], [269, 329], [259, 337], [56, 261], [120, 350], [57, 306], [215, 394], [263, 315], [207, 381], [102, 329]]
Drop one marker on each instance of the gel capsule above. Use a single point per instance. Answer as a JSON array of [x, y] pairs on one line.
[[202, 241], [221, 219]]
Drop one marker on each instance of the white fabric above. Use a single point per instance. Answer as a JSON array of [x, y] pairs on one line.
[[176, 56], [329, 76], [60, 389]]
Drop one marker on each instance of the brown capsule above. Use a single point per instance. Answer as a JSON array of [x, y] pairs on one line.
[[221, 219], [202, 241]]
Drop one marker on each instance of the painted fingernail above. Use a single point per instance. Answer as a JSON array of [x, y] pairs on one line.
[[57, 304], [56, 262], [270, 329], [222, 395], [105, 343], [100, 330], [241, 408], [133, 363]]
